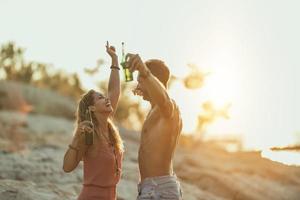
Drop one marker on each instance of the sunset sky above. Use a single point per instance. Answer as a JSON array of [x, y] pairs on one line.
[[250, 49]]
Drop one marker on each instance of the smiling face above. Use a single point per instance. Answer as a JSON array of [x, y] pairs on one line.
[[101, 104], [90, 104], [140, 89], [158, 69]]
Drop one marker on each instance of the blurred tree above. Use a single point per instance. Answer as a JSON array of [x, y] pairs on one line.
[[94, 70], [15, 68], [195, 78], [129, 113], [172, 80], [11, 58], [210, 114]]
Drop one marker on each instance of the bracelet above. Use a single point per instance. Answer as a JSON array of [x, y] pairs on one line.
[[72, 147], [115, 67]]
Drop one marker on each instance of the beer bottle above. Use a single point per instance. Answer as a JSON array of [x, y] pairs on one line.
[[89, 135], [127, 73], [89, 138]]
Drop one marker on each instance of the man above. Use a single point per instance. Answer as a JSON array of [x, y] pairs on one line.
[[160, 131]]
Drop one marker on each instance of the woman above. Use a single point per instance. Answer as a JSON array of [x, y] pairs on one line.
[[102, 160]]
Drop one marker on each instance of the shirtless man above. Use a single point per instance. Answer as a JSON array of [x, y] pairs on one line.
[[160, 131]]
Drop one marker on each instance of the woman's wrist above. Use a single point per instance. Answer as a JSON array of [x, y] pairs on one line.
[[75, 142], [114, 67], [73, 147], [114, 62]]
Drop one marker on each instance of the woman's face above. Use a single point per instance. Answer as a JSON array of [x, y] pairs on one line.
[[102, 103]]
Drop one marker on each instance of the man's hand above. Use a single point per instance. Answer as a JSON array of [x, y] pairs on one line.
[[135, 63]]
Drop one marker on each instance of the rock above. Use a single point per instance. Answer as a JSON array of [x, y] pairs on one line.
[[205, 172]]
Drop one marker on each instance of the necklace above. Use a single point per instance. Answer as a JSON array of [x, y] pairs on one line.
[[108, 140]]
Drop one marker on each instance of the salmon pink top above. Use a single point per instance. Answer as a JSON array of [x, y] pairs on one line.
[[100, 170]]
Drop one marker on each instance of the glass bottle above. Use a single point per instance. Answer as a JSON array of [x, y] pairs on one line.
[[127, 73]]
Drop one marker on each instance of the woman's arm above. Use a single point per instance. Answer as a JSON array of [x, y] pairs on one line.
[[71, 158], [114, 87], [75, 151]]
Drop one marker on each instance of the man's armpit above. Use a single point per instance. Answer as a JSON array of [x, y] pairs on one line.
[[167, 109]]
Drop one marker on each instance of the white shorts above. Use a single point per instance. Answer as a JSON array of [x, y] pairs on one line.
[[160, 188]]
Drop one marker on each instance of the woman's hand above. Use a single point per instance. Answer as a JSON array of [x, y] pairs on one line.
[[111, 50], [77, 148], [82, 128], [85, 126]]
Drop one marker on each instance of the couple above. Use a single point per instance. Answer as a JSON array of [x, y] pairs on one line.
[[102, 161]]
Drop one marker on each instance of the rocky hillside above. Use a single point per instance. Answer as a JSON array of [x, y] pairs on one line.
[[33, 146]]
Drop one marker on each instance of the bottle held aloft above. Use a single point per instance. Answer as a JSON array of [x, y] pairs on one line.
[[127, 73]]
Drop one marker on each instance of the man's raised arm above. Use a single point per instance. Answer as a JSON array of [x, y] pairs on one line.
[[154, 88]]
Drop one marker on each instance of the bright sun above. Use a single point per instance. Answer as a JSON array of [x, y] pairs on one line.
[[219, 88]]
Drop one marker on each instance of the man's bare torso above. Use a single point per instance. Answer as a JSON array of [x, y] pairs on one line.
[[158, 141]]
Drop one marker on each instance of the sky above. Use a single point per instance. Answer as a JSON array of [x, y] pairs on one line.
[[250, 49]]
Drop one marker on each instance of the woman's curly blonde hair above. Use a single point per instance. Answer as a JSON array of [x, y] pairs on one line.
[[84, 115]]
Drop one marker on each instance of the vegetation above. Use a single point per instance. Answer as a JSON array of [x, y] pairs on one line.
[[14, 68], [20, 77]]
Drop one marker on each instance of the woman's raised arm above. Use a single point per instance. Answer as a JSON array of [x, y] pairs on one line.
[[114, 87]]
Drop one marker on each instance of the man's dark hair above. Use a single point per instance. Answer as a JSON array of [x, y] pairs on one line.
[[159, 69]]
